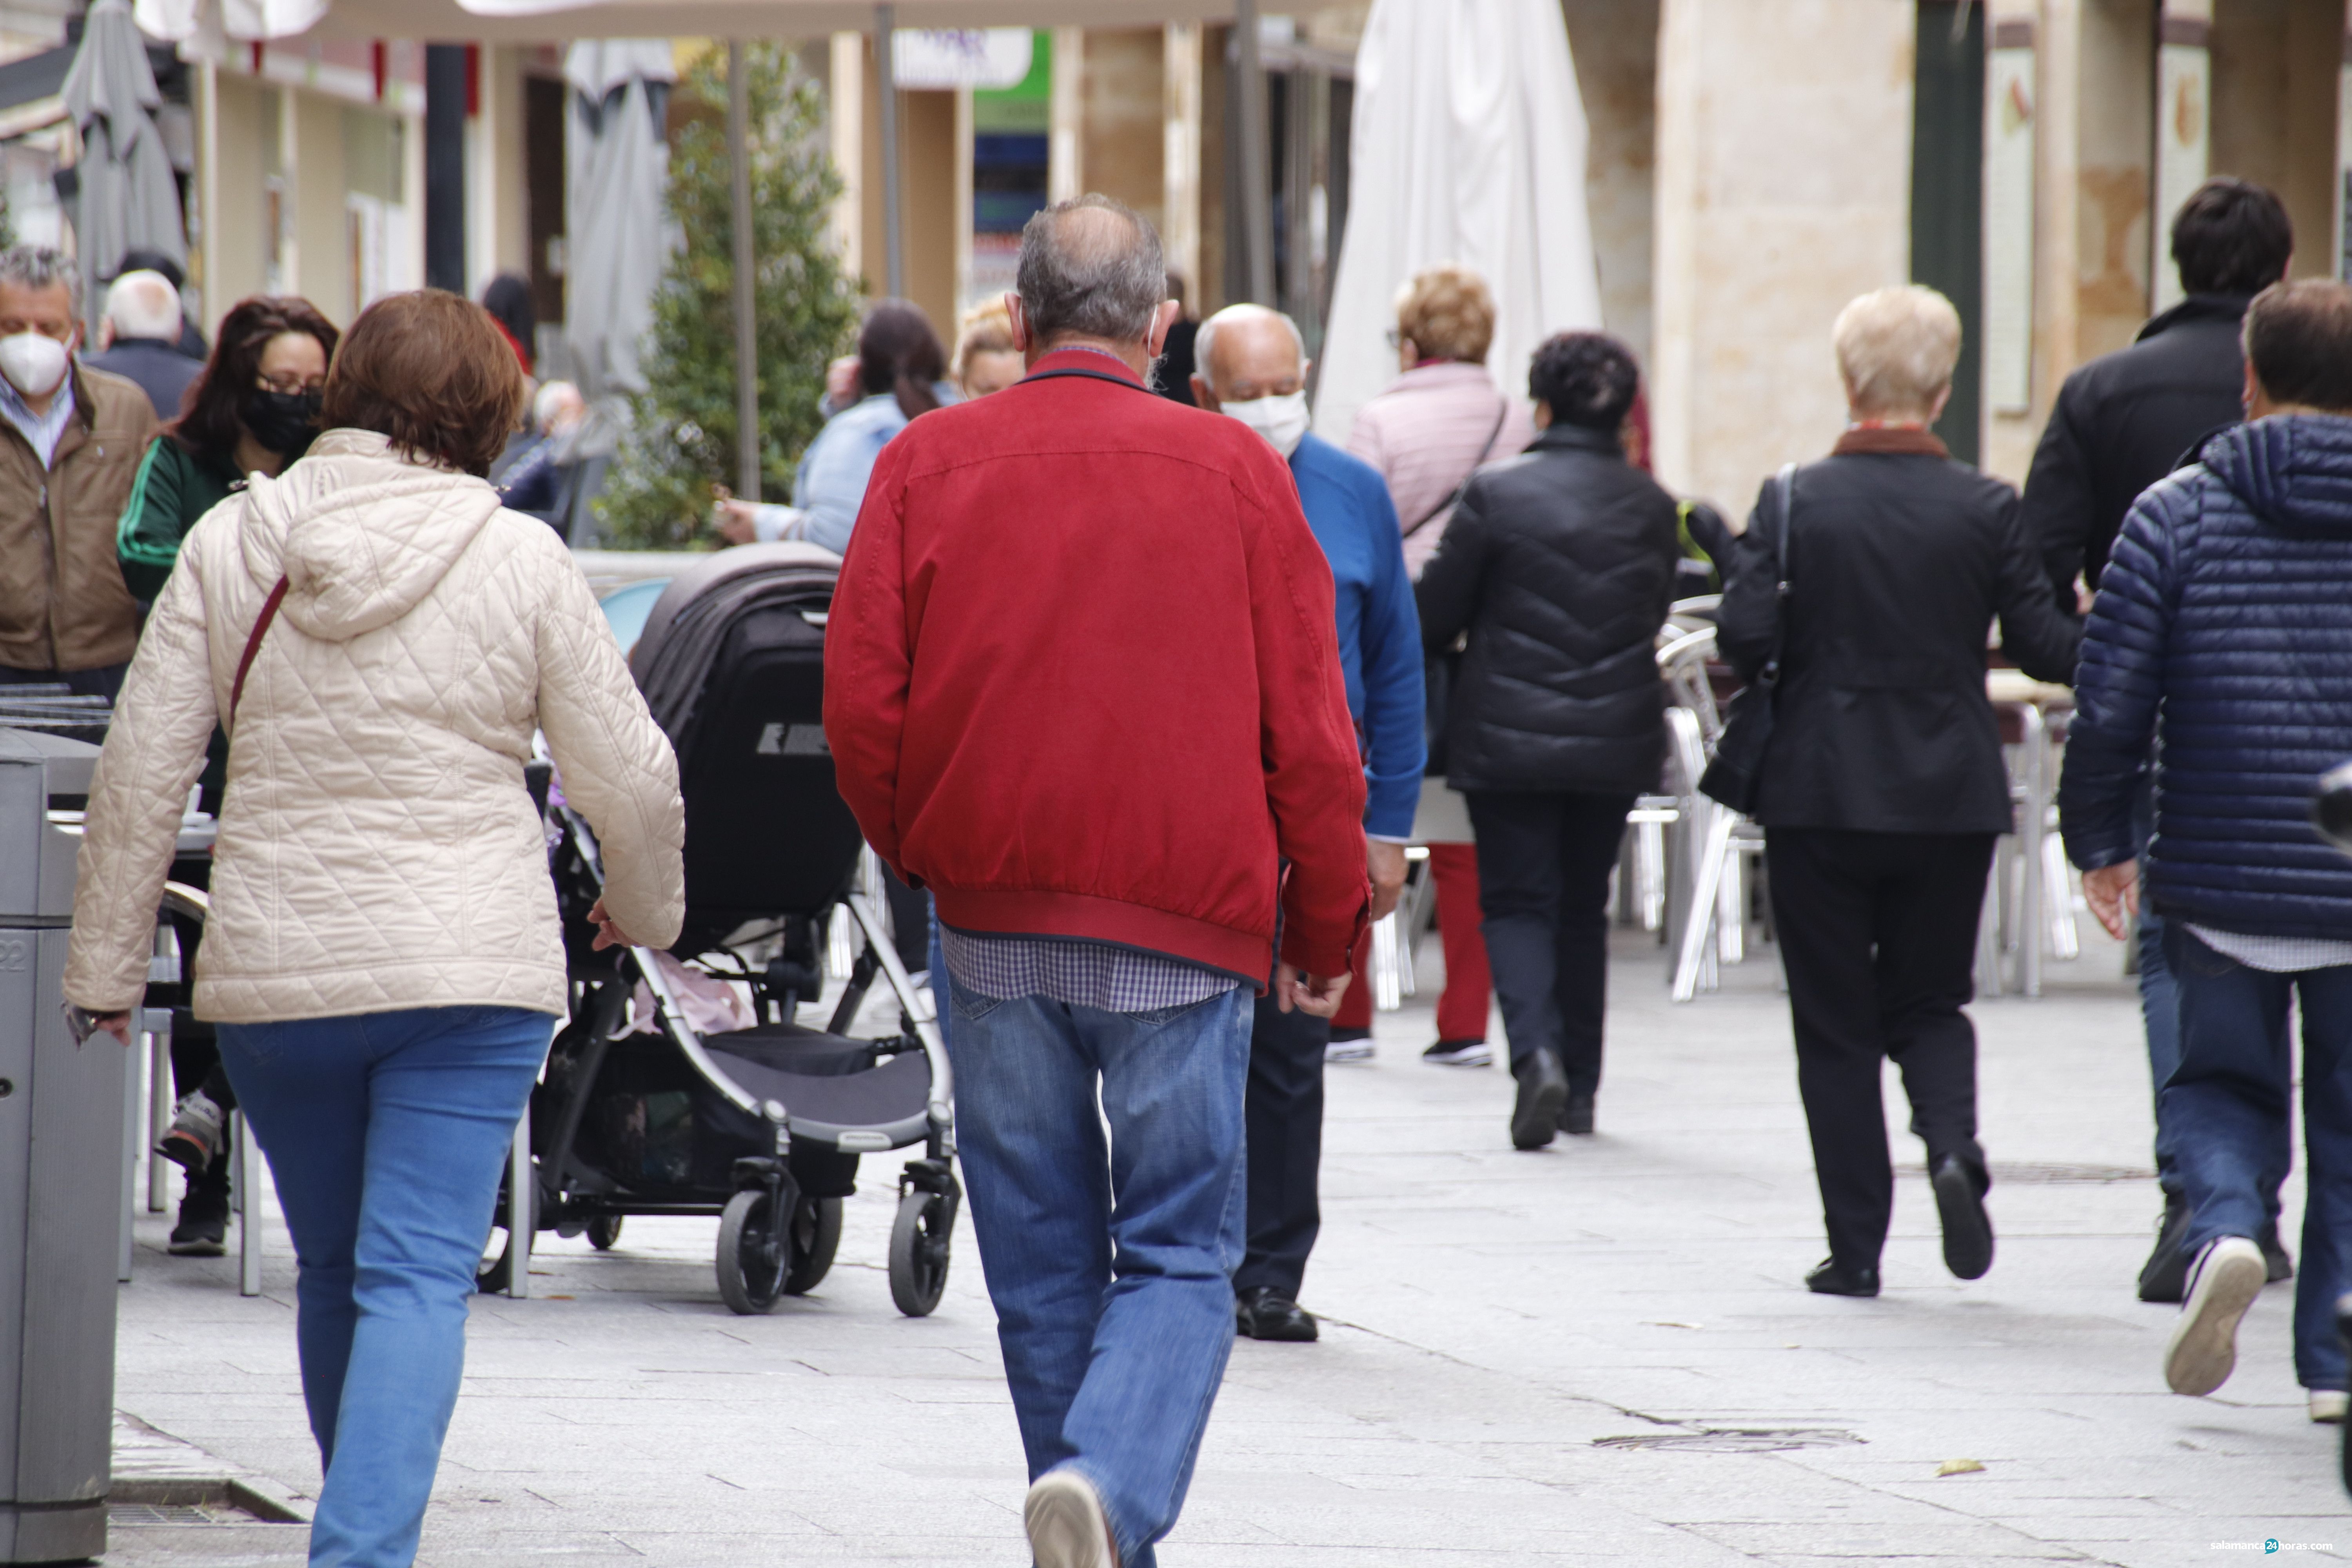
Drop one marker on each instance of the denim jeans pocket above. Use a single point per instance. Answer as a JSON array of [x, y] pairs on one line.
[[972, 1005], [1159, 1015]]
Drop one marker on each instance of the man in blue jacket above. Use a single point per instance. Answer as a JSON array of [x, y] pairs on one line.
[[1252, 365], [2222, 631]]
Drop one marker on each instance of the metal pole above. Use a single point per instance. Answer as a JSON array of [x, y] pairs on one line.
[[747, 343], [1256, 157], [444, 172], [886, 25]]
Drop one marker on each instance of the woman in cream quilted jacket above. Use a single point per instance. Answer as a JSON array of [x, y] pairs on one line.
[[383, 956]]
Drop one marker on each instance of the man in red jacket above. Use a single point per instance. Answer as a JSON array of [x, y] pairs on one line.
[[1082, 681]]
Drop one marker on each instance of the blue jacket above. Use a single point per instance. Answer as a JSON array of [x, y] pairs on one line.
[[1347, 504], [2223, 629]]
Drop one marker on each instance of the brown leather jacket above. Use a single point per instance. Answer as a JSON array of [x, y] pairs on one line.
[[62, 602]]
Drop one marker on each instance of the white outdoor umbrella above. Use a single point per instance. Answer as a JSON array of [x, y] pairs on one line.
[[128, 199], [615, 229], [1468, 147]]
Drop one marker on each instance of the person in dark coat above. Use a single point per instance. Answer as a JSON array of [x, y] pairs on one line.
[[2122, 423], [1882, 790], [2223, 633], [142, 332], [1558, 564]]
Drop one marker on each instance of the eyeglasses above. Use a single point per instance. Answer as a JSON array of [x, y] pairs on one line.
[[1395, 336], [293, 386]]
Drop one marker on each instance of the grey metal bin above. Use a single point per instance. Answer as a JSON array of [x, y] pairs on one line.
[[60, 1179]]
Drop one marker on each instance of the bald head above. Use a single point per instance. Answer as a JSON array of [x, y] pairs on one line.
[[144, 305], [1090, 269], [1245, 353]]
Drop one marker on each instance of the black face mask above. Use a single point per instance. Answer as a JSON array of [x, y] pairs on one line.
[[283, 422]]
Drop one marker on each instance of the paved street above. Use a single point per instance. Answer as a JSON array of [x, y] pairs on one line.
[[1523, 1354]]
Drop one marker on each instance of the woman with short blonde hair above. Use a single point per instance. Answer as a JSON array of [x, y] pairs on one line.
[[1880, 790], [1446, 312], [1896, 348]]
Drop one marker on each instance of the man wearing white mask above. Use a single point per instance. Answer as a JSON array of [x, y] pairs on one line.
[[1253, 367], [70, 441]]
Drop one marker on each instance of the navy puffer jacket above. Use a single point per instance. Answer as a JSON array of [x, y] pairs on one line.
[[2225, 619]]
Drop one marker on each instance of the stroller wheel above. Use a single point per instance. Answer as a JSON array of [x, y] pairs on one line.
[[754, 1253], [605, 1232], [919, 1252], [816, 1236]]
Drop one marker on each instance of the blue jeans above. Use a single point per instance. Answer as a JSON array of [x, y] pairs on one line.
[[2225, 1112], [1110, 1268], [2160, 1009], [387, 1133]]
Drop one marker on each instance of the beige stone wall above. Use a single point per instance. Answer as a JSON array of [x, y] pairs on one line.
[[1782, 190], [2275, 74], [1615, 42], [1125, 95]]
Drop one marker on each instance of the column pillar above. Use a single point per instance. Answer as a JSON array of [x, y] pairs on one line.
[[2184, 129], [845, 109], [2012, 116], [1066, 138], [1181, 157]]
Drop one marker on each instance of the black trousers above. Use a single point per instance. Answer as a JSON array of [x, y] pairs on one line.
[[1878, 935], [1283, 1120], [1543, 885]]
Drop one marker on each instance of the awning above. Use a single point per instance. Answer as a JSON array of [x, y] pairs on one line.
[[540, 21]]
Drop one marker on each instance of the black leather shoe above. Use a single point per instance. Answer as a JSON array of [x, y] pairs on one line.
[[1968, 1229], [1831, 1278], [1576, 1116], [2276, 1264], [1543, 1089], [2165, 1276], [1264, 1313]]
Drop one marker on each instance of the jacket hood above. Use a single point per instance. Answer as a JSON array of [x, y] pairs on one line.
[[2293, 470], [360, 533]]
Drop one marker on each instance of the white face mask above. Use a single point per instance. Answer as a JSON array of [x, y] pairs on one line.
[[34, 363], [1281, 420]]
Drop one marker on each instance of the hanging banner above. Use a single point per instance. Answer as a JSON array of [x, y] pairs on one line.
[[935, 57]]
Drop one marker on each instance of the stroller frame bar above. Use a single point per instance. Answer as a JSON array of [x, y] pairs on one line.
[[926, 1028]]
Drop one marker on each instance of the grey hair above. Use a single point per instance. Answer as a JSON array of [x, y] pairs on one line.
[[39, 266], [1206, 336], [1087, 276]]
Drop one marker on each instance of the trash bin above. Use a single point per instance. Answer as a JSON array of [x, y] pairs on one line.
[[61, 1176]]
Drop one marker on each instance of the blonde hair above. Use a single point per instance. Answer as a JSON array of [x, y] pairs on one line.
[[986, 328], [1448, 314], [1896, 348]]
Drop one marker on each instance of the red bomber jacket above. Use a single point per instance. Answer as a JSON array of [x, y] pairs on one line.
[[1082, 679]]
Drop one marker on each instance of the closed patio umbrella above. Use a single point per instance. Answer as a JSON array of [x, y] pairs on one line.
[[1468, 147], [127, 198]]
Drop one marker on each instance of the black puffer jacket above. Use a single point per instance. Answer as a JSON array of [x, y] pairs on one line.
[[1560, 563]]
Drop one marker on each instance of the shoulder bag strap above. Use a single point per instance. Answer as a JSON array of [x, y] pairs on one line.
[[1501, 414], [252, 646], [1781, 495]]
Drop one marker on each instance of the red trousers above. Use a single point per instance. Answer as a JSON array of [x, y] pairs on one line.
[[1469, 985]]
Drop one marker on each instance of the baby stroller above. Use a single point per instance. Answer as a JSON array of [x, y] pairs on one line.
[[761, 1126]]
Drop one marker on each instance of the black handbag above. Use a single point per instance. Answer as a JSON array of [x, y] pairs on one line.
[[1735, 772], [1438, 670]]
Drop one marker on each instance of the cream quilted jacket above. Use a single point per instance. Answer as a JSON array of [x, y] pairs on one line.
[[378, 849]]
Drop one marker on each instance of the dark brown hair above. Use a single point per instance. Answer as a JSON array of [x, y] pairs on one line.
[[897, 352], [208, 421], [432, 370], [2299, 340], [2231, 237]]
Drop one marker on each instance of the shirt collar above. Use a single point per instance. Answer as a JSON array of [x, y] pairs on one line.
[[1085, 356]]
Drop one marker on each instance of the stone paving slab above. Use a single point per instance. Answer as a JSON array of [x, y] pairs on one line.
[[1492, 1317]]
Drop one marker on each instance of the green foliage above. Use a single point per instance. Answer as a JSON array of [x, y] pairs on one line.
[[683, 434]]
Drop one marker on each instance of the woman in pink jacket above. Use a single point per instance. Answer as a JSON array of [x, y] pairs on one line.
[[1435, 423]]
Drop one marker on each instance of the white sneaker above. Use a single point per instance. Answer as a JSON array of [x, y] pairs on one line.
[[2327, 1406], [1066, 1523], [1359, 1050], [2222, 1283]]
